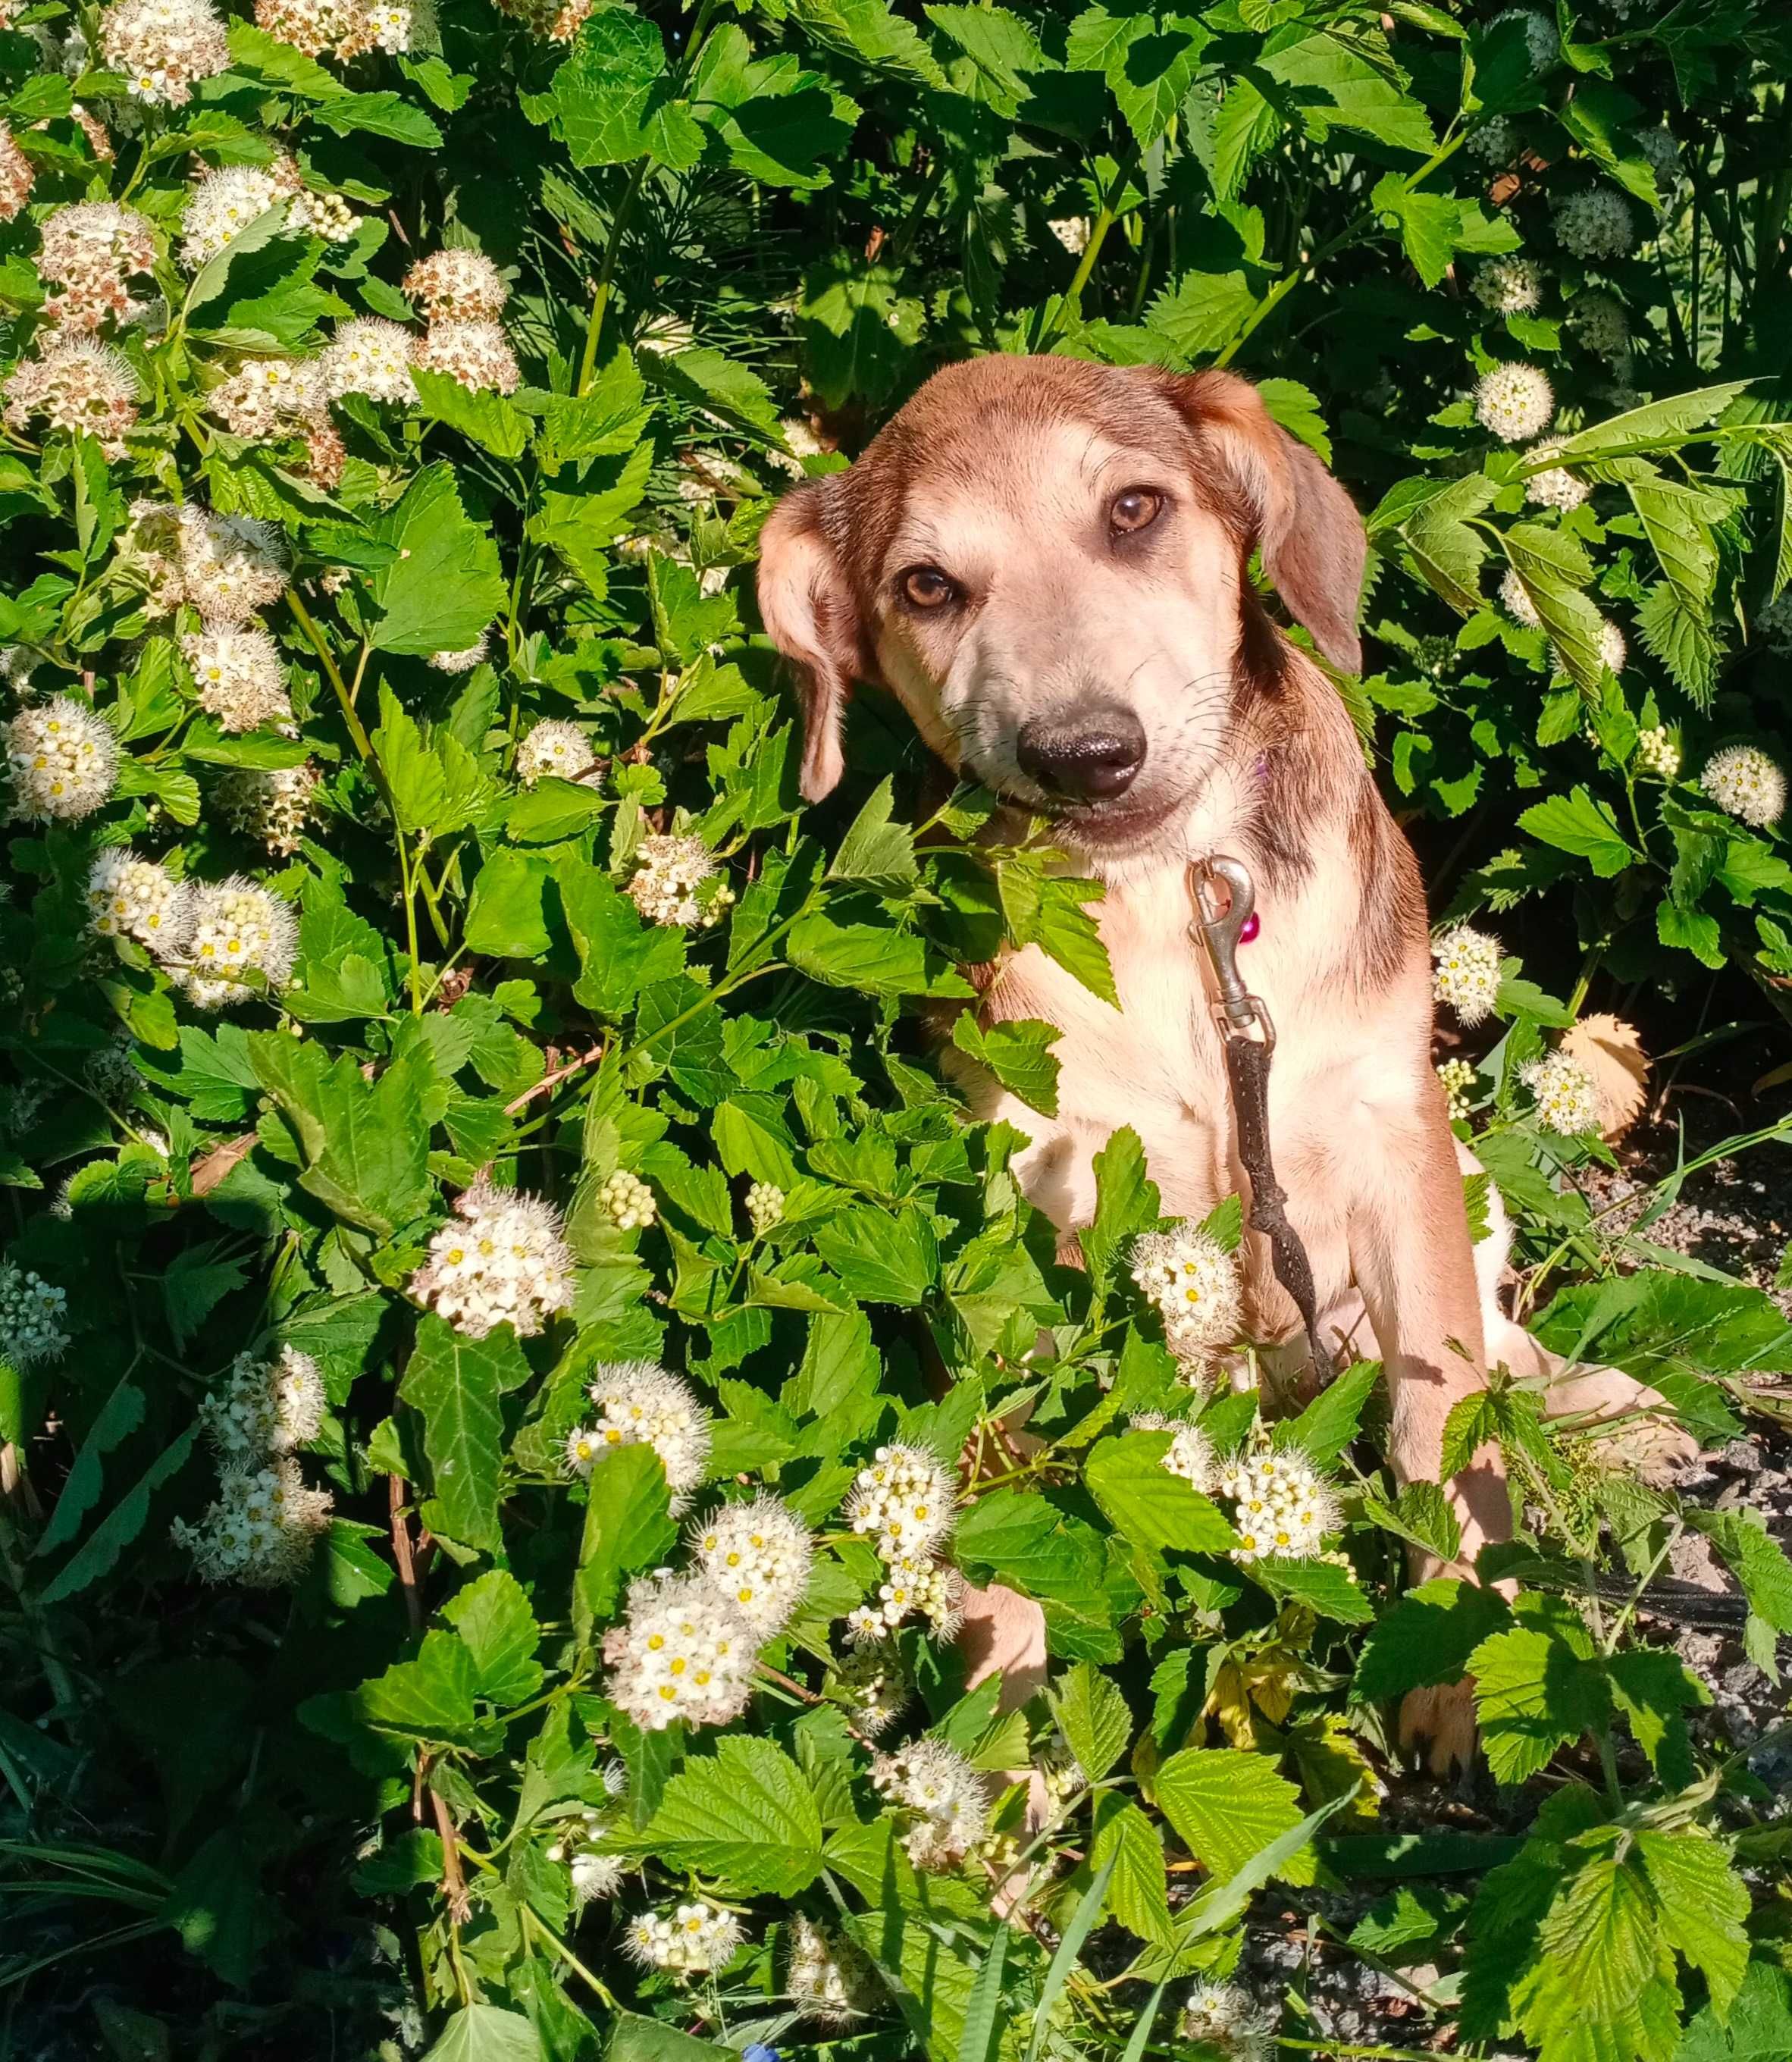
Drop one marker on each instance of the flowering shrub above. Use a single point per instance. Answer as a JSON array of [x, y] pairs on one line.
[[516, 1374]]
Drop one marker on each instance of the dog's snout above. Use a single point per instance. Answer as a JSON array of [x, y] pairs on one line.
[[1090, 758]]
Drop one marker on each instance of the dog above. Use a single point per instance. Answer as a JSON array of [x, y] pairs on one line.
[[1047, 562]]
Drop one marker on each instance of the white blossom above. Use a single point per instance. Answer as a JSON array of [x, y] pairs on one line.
[[553, 747], [827, 1976], [235, 929], [1227, 2017], [229, 566], [639, 1403], [1745, 782], [372, 357], [939, 1796], [271, 805], [1613, 650], [261, 1531], [1773, 624], [765, 1205], [87, 389], [1514, 402], [1193, 1282], [1659, 149], [1567, 1100], [89, 251], [64, 759], [682, 1652], [1283, 1506], [758, 1554], [1595, 225], [33, 1315], [500, 1260], [1190, 1454], [914, 1582], [1542, 42], [1072, 232], [671, 882], [241, 678], [133, 897], [690, 1940], [1496, 140], [16, 176], [223, 201], [597, 1876], [266, 398], [465, 658], [1516, 596], [161, 46], [1509, 286], [461, 284], [1599, 321], [868, 1681], [264, 1407], [477, 354], [1468, 972], [1555, 487], [1456, 1078], [905, 1499]]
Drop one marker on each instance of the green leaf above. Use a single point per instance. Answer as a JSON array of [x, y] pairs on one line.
[[364, 1145], [875, 852], [881, 1256], [119, 1417], [492, 1616], [628, 1526], [1148, 61], [1657, 425], [455, 1382], [1093, 1717], [872, 32], [580, 527], [259, 55], [487, 417], [386, 115], [1446, 550], [1332, 1419], [505, 915], [1202, 314], [871, 958], [1577, 823], [980, 2039], [748, 1815], [716, 383], [446, 586], [635, 2038], [1429, 225], [1536, 1688], [1426, 1639], [1137, 1890], [1146, 1503], [99, 1553], [1351, 83], [1757, 2028], [1225, 1806], [485, 2033], [1017, 1053], [613, 100]]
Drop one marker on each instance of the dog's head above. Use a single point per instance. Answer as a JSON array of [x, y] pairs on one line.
[[1047, 561]]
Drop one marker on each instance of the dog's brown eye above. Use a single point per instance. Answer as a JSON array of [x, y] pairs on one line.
[[927, 587], [1137, 509]]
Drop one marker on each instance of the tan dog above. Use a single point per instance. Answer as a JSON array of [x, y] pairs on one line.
[[1047, 562]]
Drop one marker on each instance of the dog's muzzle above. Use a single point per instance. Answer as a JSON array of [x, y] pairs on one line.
[[1094, 758]]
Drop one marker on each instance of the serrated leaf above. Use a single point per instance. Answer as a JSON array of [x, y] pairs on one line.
[[455, 1383], [1017, 1053], [1138, 1893], [1576, 822], [1226, 1806], [365, 1144], [485, 2033], [614, 98], [1146, 1503], [446, 586], [1426, 1639], [748, 1815], [628, 1526], [492, 1616], [1093, 1717]]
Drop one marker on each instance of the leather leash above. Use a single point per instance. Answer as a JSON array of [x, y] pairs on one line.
[[1239, 1014]]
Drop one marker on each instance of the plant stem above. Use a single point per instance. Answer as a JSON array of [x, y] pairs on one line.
[[1098, 236]]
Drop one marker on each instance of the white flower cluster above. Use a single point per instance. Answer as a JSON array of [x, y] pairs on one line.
[[828, 1977], [225, 201], [765, 1205], [683, 1651], [1566, 1099], [87, 389], [1659, 149], [1595, 225], [638, 1404], [595, 1874], [272, 805], [1516, 597], [90, 252], [1658, 753], [262, 1528], [552, 747], [234, 930], [264, 1407], [1457, 1078], [1555, 487], [132, 897], [868, 1683], [1772, 623], [501, 1259], [242, 680], [1284, 1506], [940, 1796], [372, 356], [690, 1940], [904, 1500], [1510, 285], [1514, 402], [557, 21], [758, 1554], [913, 1582], [1072, 232], [228, 568], [32, 1317], [64, 759], [627, 1200], [268, 397], [671, 879], [1745, 782], [1599, 321], [1613, 650], [16, 176], [348, 28], [162, 46], [462, 293], [1496, 140], [1468, 973], [465, 658], [1193, 1282], [1227, 2017]]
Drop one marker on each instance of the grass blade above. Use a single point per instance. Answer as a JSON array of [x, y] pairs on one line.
[[1069, 1947]]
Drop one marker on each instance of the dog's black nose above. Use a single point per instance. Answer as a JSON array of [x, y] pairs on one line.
[[1092, 758]]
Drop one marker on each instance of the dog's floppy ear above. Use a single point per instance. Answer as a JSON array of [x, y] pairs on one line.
[[807, 601], [1311, 538]]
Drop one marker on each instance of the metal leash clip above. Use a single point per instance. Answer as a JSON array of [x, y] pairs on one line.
[[1218, 927]]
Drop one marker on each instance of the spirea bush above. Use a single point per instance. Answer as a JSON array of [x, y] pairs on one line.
[[513, 1359]]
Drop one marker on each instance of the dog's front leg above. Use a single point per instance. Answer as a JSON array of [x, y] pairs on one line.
[[1413, 1261]]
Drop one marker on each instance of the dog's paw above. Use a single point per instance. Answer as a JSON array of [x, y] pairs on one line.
[[1437, 1727], [1643, 1433]]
